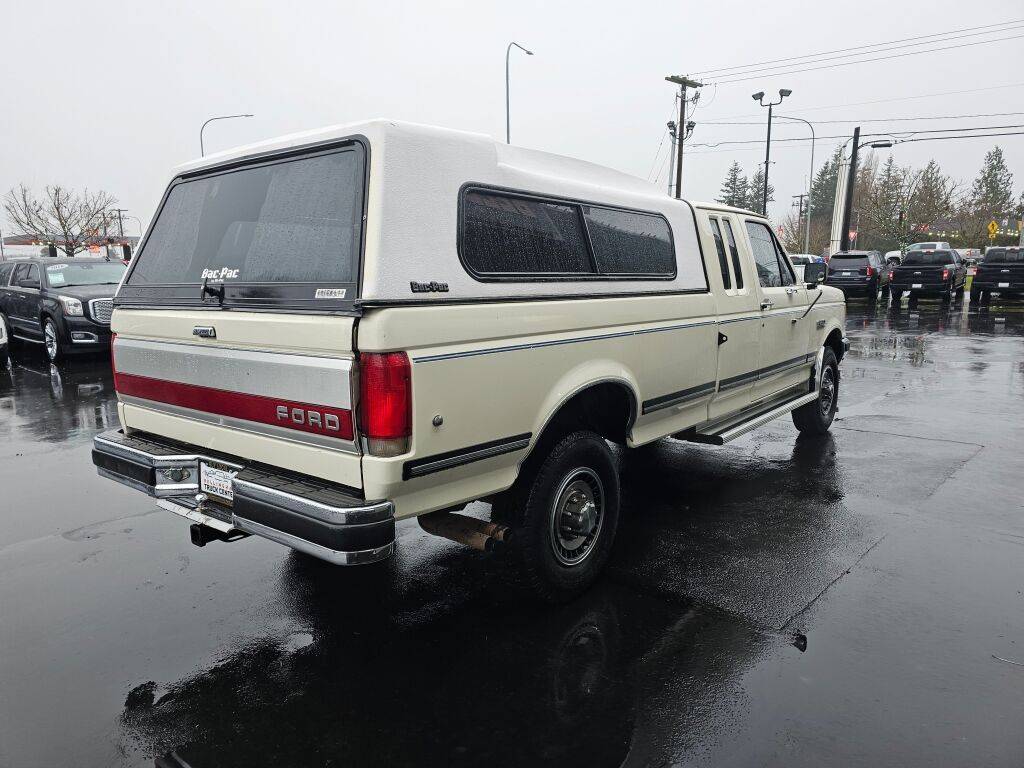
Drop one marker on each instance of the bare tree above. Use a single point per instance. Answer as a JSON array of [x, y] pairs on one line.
[[66, 218]]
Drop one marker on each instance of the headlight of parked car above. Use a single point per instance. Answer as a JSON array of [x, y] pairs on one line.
[[71, 306]]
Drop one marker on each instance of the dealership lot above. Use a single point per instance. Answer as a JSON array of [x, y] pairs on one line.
[[850, 600]]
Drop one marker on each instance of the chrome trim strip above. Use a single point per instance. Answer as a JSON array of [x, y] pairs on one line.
[[253, 427], [559, 342], [676, 398], [370, 512], [157, 491], [26, 338], [334, 556], [300, 378]]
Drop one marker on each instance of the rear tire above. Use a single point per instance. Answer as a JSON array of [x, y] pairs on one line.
[[564, 514], [975, 297], [816, 417]]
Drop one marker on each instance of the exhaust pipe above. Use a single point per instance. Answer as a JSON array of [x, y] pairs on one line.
[[468, 531]]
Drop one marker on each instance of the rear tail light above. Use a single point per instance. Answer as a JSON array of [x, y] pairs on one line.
[[869, 271], [945, 274], [385, 402], [113, 361]]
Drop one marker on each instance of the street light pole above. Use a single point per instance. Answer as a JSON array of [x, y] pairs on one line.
[[202, 150], [759, 98], [810, 182], [508, 118], [844, 233]]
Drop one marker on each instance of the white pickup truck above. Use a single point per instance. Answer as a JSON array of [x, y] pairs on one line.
[[328, 332]]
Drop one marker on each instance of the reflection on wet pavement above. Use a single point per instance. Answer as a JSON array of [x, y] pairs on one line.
[[777, 601]]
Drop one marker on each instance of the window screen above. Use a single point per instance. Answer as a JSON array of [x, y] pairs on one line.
[[630, 243], [507, 235], [296, 221], [735, 252], [723, 262]]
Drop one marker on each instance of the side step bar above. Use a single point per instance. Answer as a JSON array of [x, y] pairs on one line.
[[731, 432]]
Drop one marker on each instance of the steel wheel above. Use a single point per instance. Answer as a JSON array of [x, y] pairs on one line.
[[52, 343], [577, 516]]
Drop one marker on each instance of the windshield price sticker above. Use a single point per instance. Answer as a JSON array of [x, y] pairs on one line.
[[330, 293]]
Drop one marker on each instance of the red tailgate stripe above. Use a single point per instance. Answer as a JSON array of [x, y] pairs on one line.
[[238, 405]]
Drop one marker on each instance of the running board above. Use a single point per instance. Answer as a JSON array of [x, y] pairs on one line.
[[730, 433]]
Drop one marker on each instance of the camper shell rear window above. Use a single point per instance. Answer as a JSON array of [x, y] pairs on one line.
[[285, 231]]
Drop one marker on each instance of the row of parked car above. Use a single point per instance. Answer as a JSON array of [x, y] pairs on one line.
[[932, 270]]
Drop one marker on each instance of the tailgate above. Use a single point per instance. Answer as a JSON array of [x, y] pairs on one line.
[[924, 275], [272, 388]]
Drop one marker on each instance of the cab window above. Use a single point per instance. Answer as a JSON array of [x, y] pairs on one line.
[[723, 262], [768, 257]]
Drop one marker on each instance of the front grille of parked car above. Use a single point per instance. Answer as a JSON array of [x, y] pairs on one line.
[[101, 310]]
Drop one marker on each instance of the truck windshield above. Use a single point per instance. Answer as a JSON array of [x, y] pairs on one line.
[[294, 221], [927, 258], [66, 275], [1004, 256]]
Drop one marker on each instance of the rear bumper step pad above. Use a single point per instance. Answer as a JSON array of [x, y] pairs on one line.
[[310, 515]]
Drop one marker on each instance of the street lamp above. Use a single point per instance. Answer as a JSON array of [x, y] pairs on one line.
[[810, 182], [508, 123], [202, 151], [844, 232], [759, 98]]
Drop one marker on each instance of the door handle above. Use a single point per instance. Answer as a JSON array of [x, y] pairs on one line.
[[767, 303], [790, 291]]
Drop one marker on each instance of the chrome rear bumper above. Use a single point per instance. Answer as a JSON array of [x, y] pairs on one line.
[[306, 514]]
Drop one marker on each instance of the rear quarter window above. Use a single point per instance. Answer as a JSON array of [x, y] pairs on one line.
[[511, 236]]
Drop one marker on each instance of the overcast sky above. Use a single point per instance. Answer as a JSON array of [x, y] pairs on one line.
[[110, 95]]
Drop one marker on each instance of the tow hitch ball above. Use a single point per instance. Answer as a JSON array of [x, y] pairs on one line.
[[201, 535]]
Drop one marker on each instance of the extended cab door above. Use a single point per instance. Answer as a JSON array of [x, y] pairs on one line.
[[783, 360], [739, 317]]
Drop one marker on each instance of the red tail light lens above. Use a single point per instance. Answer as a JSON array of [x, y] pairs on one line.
[[385, 402], [113, 362], [945, 274], [869, 271]]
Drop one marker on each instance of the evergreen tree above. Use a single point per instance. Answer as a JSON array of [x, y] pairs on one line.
[[734, 188], [755, 192], [823, 190], [992, 191]]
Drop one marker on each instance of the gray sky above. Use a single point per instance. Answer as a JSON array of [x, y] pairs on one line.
[[111, 94]]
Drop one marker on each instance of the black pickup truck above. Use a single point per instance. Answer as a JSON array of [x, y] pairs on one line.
[[938, 273], [63, 304], [1001, 271]]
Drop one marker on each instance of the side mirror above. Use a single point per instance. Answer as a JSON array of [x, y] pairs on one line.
[[814, 274]]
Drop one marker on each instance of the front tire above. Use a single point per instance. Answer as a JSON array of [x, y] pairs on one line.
[[53, 340], [565, 513], [816, 417]]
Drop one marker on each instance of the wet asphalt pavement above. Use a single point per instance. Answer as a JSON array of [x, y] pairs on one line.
[[777, 601]]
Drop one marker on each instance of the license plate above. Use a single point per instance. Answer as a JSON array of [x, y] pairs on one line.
[[216, 482], [847, 274], [915, 285], [1004, 285]]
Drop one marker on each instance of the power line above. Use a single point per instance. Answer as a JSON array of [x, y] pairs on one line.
[[866, 61], [978, 136], [1012, 27], [864, 135], [712, 72], [878, 119]]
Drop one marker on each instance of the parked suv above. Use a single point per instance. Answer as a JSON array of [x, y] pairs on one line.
[[939, 273], [859, 273], [327, 332], [63, 304], [1001, 272]]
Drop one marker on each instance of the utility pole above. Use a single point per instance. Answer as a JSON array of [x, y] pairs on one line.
[[683, 82], [120, 221], [671, 154], [799, 205], [844, 232]]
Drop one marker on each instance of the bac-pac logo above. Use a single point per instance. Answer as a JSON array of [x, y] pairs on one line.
[[224, 273]]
